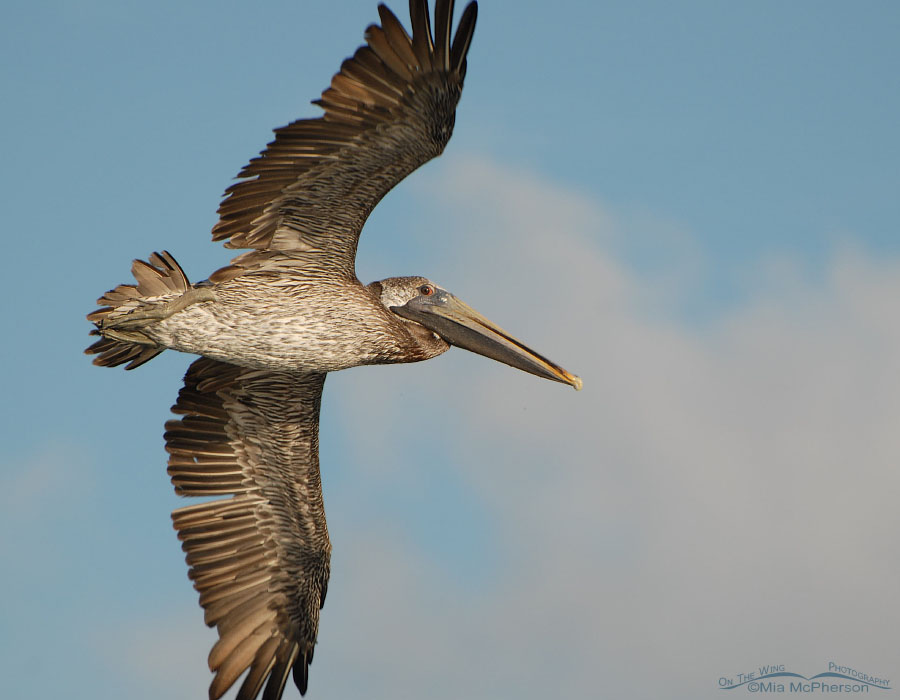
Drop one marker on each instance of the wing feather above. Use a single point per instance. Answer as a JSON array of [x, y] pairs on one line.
[[397, 37], [443, 16], [259, 559], [259, 670], [285, 657], [423, 46], [389, 109], [380, 44], [463, 39]]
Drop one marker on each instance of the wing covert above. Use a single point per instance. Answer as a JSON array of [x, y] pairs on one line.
[[389, 109], [259, 559]]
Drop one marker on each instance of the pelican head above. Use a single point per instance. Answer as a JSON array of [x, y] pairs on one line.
[[424, 303]]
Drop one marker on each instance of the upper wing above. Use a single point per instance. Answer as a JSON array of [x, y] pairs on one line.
[[390, 109], [260, 559]]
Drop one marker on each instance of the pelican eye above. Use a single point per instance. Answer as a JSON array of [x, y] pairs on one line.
[[426, 290]]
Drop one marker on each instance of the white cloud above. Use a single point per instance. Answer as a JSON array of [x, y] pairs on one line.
[[719, 495]]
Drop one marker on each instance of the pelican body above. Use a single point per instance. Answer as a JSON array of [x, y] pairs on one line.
[[273, 323]]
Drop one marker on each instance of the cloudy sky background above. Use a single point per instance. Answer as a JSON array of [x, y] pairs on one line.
[[694, 207]]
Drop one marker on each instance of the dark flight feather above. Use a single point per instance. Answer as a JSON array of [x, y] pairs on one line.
[[389, 109]]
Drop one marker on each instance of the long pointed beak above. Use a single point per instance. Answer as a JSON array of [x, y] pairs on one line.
[[461, 325]]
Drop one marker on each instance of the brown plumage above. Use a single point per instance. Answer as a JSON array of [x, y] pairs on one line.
[[260, 559], [386, 111], [271, 325]]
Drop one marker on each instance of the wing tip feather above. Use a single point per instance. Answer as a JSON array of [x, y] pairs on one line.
[[259, 204]]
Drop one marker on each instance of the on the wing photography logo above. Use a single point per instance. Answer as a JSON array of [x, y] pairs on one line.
[[777, 679]]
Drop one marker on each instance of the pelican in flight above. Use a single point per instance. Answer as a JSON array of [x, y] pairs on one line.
[[273, 323]]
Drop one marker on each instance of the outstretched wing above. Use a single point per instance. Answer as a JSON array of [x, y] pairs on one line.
[[259, 559], [390, 109]]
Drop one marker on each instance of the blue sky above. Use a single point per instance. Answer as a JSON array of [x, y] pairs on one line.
[[692, 205]]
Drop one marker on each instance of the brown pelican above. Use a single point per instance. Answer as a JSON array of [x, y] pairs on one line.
[[271, 325]]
